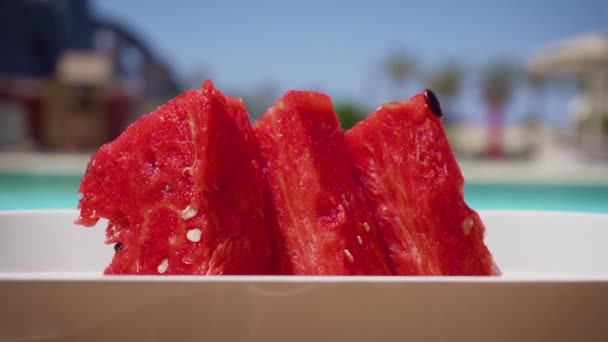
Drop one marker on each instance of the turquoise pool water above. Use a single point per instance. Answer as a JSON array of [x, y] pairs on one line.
[[59, 192]]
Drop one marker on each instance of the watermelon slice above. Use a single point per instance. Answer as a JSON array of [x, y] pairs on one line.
[[414, 187], [323, 226], [183, 191]]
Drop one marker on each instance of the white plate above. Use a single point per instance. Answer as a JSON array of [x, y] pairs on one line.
[[554, 287]]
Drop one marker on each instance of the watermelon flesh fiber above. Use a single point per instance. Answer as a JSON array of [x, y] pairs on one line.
[[322, 224], [190, 166], [414, 187], [291, 195]]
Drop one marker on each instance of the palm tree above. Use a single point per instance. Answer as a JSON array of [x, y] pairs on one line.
[[497, 84], [446, 82], [399, 68], [537, 83]]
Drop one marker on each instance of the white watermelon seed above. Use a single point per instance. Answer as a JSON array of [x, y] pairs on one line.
[[349, 255], [360, 239], [366, 227], [188, 171], [189, 212], [194, 235], [162, 267], [467, 225]]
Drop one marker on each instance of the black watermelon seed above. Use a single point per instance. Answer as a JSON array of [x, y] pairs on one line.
[[432, 102], [117, 247]]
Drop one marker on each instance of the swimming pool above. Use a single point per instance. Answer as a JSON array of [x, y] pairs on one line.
[[28, 191]]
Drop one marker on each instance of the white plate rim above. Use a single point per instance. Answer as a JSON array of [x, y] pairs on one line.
[[307, 280]]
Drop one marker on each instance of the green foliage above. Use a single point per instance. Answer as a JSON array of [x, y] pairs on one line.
[[349, 113], [536, 80], [590, 122], [399, 67], [498, 81], [447, 80]]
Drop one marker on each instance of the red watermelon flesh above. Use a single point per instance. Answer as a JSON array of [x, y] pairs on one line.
[[183, 191], [414, 187], [323, 226]]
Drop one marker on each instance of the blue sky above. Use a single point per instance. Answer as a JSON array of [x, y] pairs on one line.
[[336, 46]]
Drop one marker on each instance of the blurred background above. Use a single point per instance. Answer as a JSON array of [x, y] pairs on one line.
[[523, 84]]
